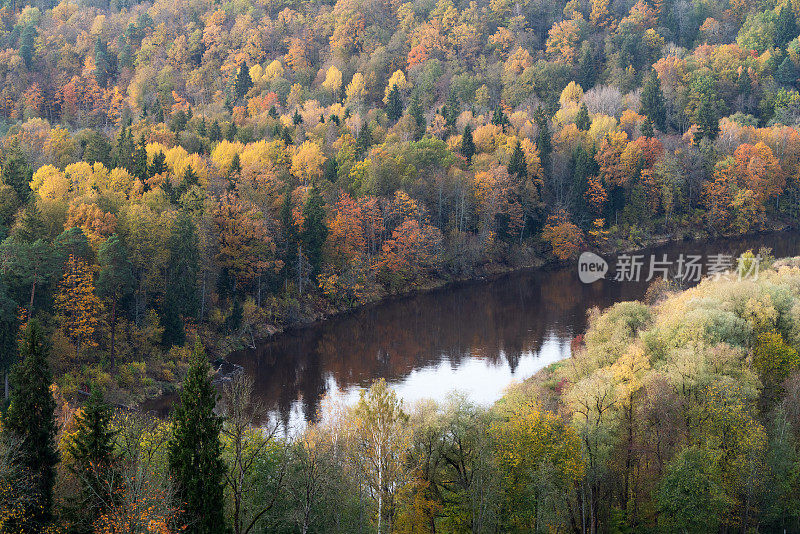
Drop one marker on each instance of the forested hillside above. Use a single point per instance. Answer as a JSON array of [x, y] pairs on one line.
[[677, 414], [230, 169]]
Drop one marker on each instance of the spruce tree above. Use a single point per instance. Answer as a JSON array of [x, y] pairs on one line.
[[394, 104], [30, 421], [180, 298], [140, 160], [544, 140], [243, 82], [230, 134], [195, 450], [517, 165], [215, 132], [115, 281], [582, 121], [314, 230], [14, 171], [159, 164], [415, 110], [467, 144], [647, 128], [653, 105], [92, 451]]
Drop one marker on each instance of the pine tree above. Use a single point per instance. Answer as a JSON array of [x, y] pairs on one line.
[[158, 111], [499, 118], [653, 105], [116, 279], [785, 26], [415, 110], [467, 144], [195, 450], [26, 47], [583, 122], [314, 231], [297, 118], [159, 164], [14, 171], [215, 132], [180, 297], [30, 421], [140, 160], [243, 82], [544, 140], [647, 128], [517, 165], [230, 134], [92, 452], [707, 120], [394, 104], [8, 335]]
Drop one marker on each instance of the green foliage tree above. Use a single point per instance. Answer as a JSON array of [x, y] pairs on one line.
[[467, 144], [92, 451], [243, 82], [583, 122], [690, 497], [31, 420], [183, 265], [195, 450], [115, 281], [394, 104], [314, 231], [652, 102]]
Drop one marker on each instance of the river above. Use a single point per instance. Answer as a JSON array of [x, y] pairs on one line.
[[473, 337]]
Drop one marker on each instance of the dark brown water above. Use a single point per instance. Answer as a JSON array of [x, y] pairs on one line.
[[475, 338]]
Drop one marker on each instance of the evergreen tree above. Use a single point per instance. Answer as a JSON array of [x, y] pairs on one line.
[[499, 118], [158, 111], [8, 335], [707, 120], [394, 104], [92, 451], [467, 143], [364, 139], [587, 66], [140, 160], [97, 149], [785, 26], [517, 165], [290, 235], [582, 121], [195, 450], [26, 47], [647, 128], [30, 225], [230, 133], [415, 110], [243, 82], [180, 298], [159, 164], [451, 111], [116, 279], [31, 421], [544, 140], [123, 152], [201, 128], [314, 231], [786, 73], [215, 132], [14, 171], [652, 102], [297, 118]]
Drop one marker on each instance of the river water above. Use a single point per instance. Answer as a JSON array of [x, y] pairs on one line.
[[475, 337]]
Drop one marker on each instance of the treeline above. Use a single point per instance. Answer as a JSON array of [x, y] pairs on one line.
[[679, 414], [230, 169]]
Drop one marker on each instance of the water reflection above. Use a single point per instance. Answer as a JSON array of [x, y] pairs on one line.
[[473, 337]]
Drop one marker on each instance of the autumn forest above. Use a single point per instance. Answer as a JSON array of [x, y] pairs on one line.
[[181, 179]]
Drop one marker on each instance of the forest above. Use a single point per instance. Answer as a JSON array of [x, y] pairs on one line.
[[228, 170], [180, 180], [680, 413]]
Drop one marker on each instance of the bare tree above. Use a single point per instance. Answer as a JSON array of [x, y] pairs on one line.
[[248, 447]]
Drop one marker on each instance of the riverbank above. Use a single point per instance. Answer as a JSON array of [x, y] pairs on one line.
[[317, 310], [475, 336]]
